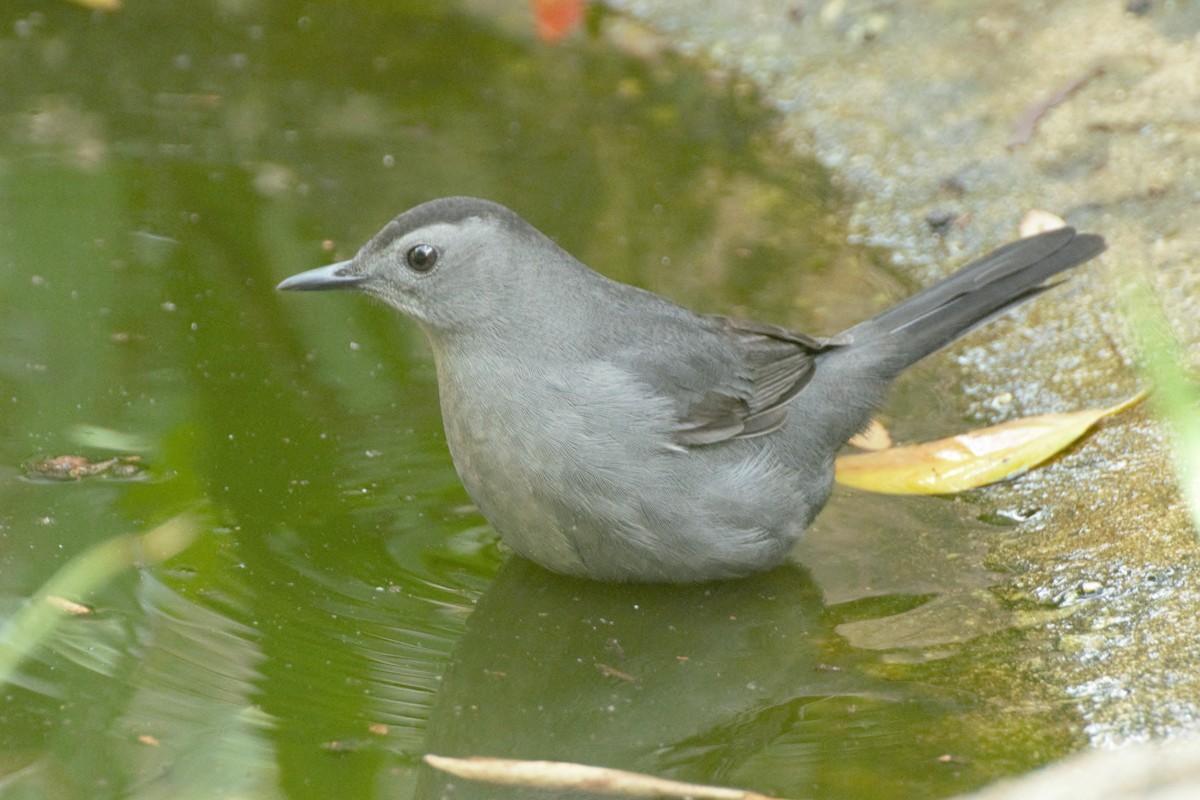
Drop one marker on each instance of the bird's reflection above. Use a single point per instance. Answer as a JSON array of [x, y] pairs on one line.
[[684, 682]]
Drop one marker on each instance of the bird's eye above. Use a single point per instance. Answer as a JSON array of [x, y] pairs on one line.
[[422, 257]]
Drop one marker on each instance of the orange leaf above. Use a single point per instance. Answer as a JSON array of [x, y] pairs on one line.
[[556, 18]]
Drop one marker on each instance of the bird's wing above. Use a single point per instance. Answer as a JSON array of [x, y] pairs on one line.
[[746, 393]]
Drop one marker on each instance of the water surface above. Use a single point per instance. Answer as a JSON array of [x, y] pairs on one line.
[[345, 609]]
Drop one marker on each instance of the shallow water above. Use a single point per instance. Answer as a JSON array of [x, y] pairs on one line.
[[344, 609]]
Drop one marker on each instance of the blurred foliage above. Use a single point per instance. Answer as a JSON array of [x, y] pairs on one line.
[[1176, 398]]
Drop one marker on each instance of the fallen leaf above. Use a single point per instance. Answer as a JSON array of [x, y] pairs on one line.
[[1038, 221], [971, 459], [875, 437], [68, 606], [565, 776], [73, 468]]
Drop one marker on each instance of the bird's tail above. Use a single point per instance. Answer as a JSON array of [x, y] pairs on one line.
[[975, 294], [853, 377]]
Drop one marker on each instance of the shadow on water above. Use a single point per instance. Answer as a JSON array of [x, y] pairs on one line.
[[344, 609]]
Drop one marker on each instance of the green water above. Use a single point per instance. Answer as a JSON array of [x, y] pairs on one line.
[[345, 609]]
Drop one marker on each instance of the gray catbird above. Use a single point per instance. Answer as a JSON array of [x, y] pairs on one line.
[[607, 432]]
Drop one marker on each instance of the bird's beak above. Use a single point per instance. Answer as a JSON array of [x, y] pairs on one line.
[[333, 276]]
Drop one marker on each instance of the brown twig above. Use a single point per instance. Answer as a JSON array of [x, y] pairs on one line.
[[1026, 125]]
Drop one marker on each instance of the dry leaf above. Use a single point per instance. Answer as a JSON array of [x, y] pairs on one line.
[[68, 606], [875, 437], [73, 468], [1038, 221], [565, 776], [971, 459]]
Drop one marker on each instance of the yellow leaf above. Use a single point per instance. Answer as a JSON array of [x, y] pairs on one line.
[[971, 459]]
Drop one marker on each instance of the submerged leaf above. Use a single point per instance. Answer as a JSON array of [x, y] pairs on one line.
[[971, 459], [565, 776]]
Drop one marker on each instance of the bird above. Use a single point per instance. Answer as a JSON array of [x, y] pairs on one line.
[[609, 433]]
